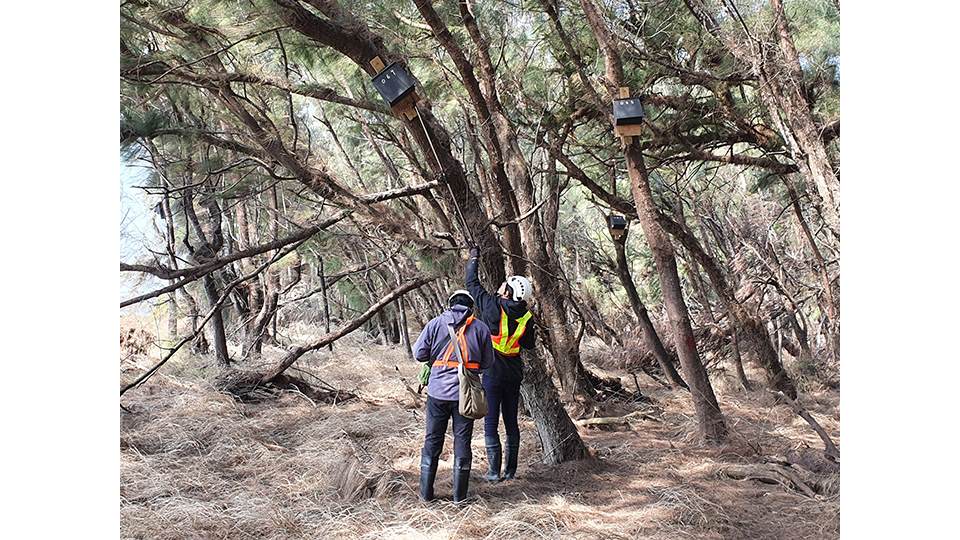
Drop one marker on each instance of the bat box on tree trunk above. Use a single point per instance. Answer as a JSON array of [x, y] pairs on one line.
[[617, 225], [627, 115], [396, 86], [627, 112]]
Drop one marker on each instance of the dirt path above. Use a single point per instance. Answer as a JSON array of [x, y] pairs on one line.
[[196, 463]]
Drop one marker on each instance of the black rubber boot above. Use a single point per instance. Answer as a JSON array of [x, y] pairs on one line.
[[428, 473], [494, 458], [461, 478], [513, 452]]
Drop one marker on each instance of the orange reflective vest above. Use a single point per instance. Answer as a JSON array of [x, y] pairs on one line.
[[503, 342], [446, 361]]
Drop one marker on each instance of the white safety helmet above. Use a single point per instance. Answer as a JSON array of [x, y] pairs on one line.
[[460, 292], [520, 286]]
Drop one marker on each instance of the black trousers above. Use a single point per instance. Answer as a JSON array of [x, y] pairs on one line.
[[503, 399], [438, 415]]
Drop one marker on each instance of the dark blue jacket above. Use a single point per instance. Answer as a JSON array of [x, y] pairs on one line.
[[488, 306], [432, 344]]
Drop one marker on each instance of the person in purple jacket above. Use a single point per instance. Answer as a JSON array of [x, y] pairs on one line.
[[443, 389]]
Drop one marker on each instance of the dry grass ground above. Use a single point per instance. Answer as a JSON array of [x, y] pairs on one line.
[[195, 463]]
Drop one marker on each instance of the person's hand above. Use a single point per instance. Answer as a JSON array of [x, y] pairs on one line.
[[474, 251]]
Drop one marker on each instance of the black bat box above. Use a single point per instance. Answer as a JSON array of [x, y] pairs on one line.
[[616, 222], [394, 83], [628, 111]]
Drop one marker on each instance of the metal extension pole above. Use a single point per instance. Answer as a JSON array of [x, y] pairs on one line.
[[465, 230]]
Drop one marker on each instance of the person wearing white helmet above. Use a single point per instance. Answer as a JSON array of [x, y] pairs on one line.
[[511, 331]]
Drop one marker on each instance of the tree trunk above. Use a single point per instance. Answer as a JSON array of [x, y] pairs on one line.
[[756, 334], [173, 313], [258, 329], [509, 164], [561, 441], [710, 420], [693, 272], [326, 304], [404, 331], [544, 266], [747, 325], [252, 291], [804, 354], [650, 337], [200, 344], [711, 423], [808, 147], [832, 306], [738, 359], [216, 322]]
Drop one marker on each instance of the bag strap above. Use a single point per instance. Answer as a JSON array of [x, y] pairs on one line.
[[455, 342]]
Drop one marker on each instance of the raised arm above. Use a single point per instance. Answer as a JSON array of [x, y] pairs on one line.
[[486, 303]]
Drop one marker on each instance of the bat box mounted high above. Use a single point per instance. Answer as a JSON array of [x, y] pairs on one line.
[[396, 86], [627, 116], [627, 112], [394, 83], [617, 225]]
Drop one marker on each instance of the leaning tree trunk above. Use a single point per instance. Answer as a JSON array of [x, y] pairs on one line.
[[807, 145], [748, 325], [544, 265], [711, 423], [507, 160], [710, 420], [650, 337], [200, 344], [558, 434], [754, 331], [404, 328], [258, 329], [216, 322], [832, 306]]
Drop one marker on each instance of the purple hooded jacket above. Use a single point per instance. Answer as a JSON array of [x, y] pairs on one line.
[[432, 344]]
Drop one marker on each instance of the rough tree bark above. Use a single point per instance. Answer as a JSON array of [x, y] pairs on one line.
[[561, 441], [650, 337], [544, 266], [711, 424], [209, 243], [217, 328], [200, 344], [748, 326]]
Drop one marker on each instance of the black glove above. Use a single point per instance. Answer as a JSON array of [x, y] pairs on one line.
[[474, 252]]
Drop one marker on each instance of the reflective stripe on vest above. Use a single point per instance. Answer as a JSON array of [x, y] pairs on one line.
[[503, 342], [446, 362]]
